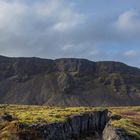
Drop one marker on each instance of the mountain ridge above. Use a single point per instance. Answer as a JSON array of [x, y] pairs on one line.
[[68, 82]]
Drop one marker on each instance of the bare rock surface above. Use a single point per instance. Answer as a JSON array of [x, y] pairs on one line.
[[113, 133]]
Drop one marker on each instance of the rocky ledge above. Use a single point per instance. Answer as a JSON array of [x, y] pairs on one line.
[[87, 126], [77, 127]]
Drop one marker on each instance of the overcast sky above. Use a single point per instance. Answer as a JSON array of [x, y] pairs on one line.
[[92, 29]]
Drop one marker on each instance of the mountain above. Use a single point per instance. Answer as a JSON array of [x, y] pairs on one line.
[[68, 82]]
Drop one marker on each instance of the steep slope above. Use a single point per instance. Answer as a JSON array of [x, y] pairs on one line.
[[69, 82]]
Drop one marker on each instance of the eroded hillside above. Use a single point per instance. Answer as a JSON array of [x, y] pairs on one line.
[[68, 82]]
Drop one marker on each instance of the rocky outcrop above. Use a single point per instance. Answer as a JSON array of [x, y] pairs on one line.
[[74, 128], [95, 125], [113, 133]]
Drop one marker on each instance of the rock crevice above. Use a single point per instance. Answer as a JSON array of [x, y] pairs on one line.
[[74, 128]]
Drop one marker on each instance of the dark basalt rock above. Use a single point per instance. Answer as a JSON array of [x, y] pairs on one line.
[[86, 126], [115, 117], [74, 128]]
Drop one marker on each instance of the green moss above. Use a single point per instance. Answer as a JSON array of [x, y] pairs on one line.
[[41, 114]]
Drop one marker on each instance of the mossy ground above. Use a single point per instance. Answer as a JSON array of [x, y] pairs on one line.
[[41, 114], [130, 121], [25, 114]]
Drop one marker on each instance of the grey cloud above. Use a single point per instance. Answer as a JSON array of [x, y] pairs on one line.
[[55, 29]]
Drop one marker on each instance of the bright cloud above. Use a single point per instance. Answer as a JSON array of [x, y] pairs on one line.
[[129, 21], [131, 53]]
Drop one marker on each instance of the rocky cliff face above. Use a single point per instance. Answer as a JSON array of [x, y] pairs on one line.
[[51, 123], [76, 127], [87, 126], [68, 82]]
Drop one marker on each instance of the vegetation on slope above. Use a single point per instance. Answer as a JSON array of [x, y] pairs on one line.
[[41, 114], [25, 115], [130, 120]]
